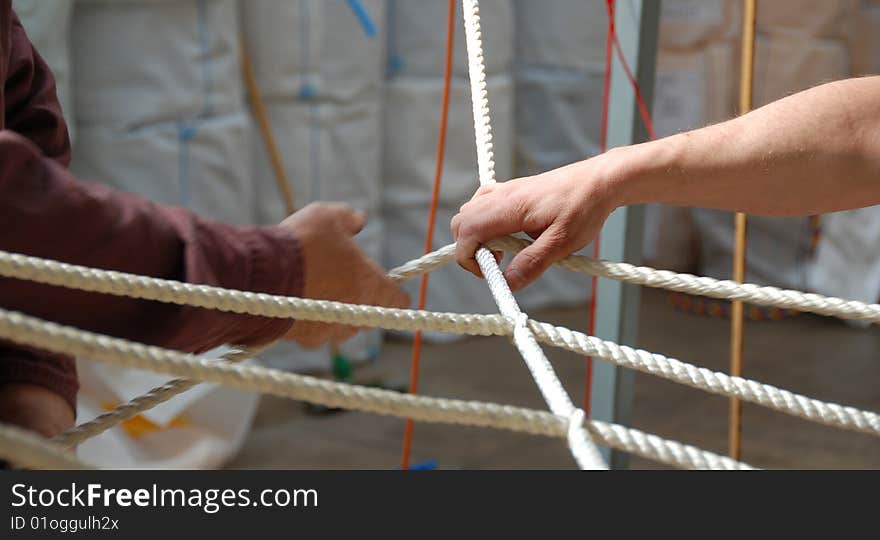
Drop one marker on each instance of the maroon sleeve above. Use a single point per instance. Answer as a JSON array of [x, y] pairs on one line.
[[45, 212], [31, 107]]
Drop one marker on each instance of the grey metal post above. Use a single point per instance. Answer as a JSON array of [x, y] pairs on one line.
[[617, 305]]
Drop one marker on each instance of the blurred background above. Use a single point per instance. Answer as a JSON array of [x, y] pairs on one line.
[[157, 104]]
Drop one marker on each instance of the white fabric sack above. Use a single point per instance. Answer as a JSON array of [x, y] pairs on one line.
[[417, 38], [847, 262], [566, 34], [778, 253], [198, 429], [331, 152], [144, 62], [202, 164], [48, 27], [412, 124], [316, 49], [693, 24]]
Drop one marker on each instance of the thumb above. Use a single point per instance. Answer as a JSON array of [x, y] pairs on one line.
[[353, 220], [532, 261]]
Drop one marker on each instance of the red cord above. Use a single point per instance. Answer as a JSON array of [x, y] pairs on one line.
[[429, 236]]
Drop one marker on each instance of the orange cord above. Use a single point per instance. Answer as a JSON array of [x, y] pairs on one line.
[[429, 236]]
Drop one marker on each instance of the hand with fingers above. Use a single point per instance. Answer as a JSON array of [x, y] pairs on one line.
[[562, 210], [337, 269]]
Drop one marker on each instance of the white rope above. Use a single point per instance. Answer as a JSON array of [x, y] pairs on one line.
[[117, 283], [49, 272], [59, 338], [832, 414], [664, 279], [582, 447]]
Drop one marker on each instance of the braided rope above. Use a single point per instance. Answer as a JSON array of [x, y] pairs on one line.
[[581, 445], [54, 337]]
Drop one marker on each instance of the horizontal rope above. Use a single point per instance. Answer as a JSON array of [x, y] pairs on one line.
[[370, 316], [59, 338], [664, 279], [716, 382], [123, 284]]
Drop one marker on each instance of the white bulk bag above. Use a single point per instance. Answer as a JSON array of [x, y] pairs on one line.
[[417, 38]]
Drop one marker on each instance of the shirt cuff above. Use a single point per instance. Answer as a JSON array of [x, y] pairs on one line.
[[55, 372]]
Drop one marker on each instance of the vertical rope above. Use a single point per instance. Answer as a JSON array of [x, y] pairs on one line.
[[432, 220], [747, 75], [579, 441]]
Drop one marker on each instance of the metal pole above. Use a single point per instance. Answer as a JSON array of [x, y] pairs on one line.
[[617, 306]]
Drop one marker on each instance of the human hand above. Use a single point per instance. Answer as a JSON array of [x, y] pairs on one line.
[[562, 210], [35, 408], [337, 269]]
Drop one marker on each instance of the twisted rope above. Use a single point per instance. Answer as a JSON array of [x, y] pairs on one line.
[[581, 445], [121, 284], [664, 279], [138, 405], [54, 337]]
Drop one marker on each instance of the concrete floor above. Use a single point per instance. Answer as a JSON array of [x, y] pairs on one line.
[[819, 357]]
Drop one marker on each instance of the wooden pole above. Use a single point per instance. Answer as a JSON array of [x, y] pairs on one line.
[[262, 117], [747, 75]]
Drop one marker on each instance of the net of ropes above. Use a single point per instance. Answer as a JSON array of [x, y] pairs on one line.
[[562, 420]]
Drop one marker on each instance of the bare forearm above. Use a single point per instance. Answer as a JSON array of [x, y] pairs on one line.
[[812, 152]]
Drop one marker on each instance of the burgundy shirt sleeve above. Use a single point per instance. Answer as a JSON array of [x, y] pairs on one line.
[[46, 212]]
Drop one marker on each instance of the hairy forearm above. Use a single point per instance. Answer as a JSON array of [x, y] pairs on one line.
[[813, 152]]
